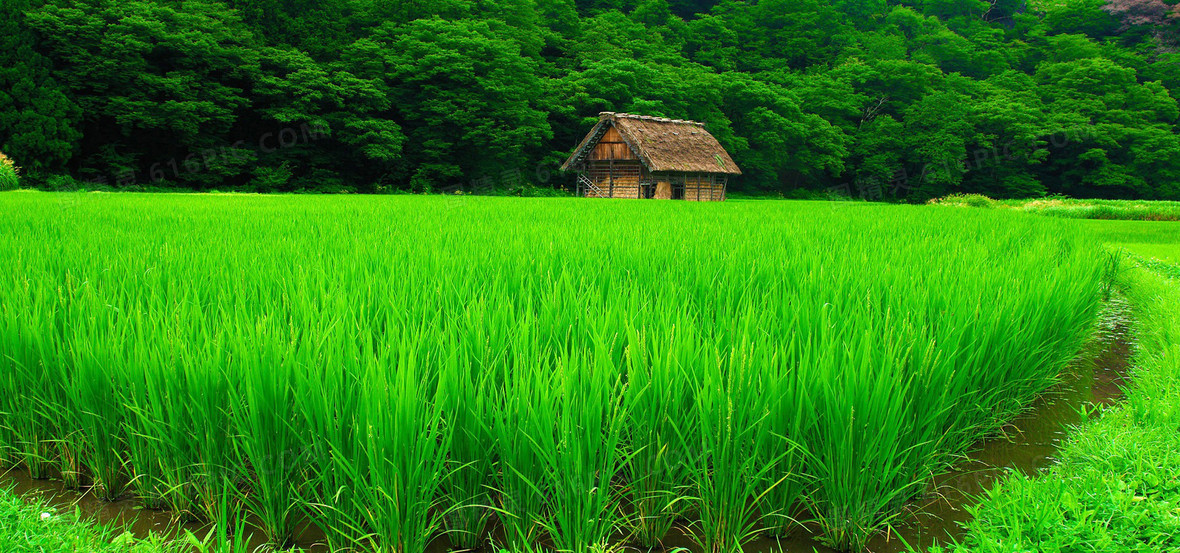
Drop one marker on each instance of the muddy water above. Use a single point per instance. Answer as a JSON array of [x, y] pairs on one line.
[[127, 515], [1027, 445]]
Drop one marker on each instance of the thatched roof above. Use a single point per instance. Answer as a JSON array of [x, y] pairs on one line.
[[661, 144]]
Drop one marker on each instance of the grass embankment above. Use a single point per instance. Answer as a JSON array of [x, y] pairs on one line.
[[36, 527], [390, 367], [1070, 208], [1153, 242], [1117, 487]]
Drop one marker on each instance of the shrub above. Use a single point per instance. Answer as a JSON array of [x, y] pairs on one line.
[[965, 200], [268, 179], [9, 174], [62, 183]]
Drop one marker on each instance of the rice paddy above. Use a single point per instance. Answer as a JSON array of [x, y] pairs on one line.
[[558, 374]]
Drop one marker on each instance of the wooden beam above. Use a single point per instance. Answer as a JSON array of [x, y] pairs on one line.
[[611, 176]]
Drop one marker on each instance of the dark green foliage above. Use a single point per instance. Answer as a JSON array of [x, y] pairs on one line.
[[37, 118], [884, 99], [466, 97]]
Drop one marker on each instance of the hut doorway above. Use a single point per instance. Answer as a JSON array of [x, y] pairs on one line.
[[677, 183]]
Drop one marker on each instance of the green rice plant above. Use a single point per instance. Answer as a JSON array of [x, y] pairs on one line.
[[789, 422], [228, 533], [468, 403], [162, 434], [584, 511], [30, 423], [403, 449], [781, 358], [68, 455], [33, 418], [95, 391], [730, 464], [10, 407], [214, 435], [101, 415], [59, 409], [146, 433], [8, 452], [144, 449], [657, 429], [33, 431], [265, 414], [524, 432], [864, 463], [330, 400]]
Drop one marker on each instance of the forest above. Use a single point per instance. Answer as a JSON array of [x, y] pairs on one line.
[[881, 100]]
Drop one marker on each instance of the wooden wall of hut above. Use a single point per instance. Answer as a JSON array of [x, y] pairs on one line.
[[703, 188], [612, 146], [616, 179]]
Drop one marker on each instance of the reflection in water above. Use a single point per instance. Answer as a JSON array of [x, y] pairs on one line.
[[1028, 445]]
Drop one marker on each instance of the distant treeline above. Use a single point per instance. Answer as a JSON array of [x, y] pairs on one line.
[[873, 98]]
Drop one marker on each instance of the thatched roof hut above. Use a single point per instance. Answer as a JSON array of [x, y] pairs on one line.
[[638, 156]]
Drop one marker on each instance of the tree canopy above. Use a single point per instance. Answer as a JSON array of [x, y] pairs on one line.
[[878, 98]]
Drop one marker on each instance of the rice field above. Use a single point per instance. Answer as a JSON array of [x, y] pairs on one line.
[[555, 374]]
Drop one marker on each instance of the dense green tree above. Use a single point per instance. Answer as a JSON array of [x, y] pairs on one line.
[[1116, 137], [38, 118], [891, 99], [466, 98], [156, 84], [780, 146]]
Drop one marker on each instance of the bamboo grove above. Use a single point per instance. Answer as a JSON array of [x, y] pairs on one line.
[[572, 375]]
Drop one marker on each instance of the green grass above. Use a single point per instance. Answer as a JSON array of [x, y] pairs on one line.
[[1147, 239], [325, 357], [1070, 208], [1117, 486], [36, 527], [1126, 210]]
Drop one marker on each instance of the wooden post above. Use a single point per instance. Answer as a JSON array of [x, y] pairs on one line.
[[611, 176]]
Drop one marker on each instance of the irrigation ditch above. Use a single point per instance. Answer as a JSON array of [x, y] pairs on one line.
[[1027, 444]]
